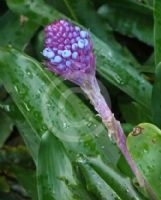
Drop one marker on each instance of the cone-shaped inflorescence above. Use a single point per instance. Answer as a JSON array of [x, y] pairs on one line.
[[69, 53], [69, 50]]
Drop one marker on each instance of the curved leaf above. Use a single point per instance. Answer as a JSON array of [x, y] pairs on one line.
[[120, 184], [54, 172], [96, 184], [157, 30], [144, 145], [156, 97], [6, 126], [19, 30], [130, 19]]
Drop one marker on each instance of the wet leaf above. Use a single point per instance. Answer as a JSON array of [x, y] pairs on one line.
[[6, 126], [144, 145], [156, 97], [157, 30], [55, 174], [27, 178], [96, 184], [16, 30], [122, 185], [139, 113], [129, 18]]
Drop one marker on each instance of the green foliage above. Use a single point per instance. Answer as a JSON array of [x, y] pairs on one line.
[[156, 97], [120, 184], [21, 32], [144, 144], [56, 176], [157, 29], [73, 157], [129, 18], [6, 126]]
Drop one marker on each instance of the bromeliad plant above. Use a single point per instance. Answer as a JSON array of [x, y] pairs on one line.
[[69, 53], [71, 160]]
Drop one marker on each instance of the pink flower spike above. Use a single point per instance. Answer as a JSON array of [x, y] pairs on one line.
[[72, 44], [69, 53]]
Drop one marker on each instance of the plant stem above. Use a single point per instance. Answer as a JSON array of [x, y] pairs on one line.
[[115, 131]]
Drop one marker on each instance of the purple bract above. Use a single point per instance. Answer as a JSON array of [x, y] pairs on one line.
[[69, 51]]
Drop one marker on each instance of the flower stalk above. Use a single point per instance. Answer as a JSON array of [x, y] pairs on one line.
[[69, 53], [115, 131]]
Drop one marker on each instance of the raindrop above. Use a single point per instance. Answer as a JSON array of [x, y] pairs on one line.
[[16, 89], [89, 124], [109, 54], [119, 80], [145, 151], [29, 74], [65, 125], [27, 108]]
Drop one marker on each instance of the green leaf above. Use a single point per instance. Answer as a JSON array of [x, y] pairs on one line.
[[114, 67], [144, 145], [95, 183], [16, 30], [139, 113], [156, 97], [157, 30], [130, 19], [4, 186], [27, 178], [122, 185], [148, 3], [55, 173], [11, 155], [6, 126], [41, 98], [31, 139], [29, 135]]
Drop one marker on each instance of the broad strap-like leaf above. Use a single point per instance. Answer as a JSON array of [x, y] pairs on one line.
[[156, 97], [157, 30], [6, 127], [16, 30], [55, 175], [122, 185], [129, 18], [96, 184], [144, 145]]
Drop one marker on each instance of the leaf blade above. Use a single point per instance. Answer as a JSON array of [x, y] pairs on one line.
[[144, 145]]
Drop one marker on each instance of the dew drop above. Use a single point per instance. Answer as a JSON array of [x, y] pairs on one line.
[[119, 80], [27, 108], [16, 89]]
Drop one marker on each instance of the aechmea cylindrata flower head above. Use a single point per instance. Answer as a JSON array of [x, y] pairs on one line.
[[69, 51]]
